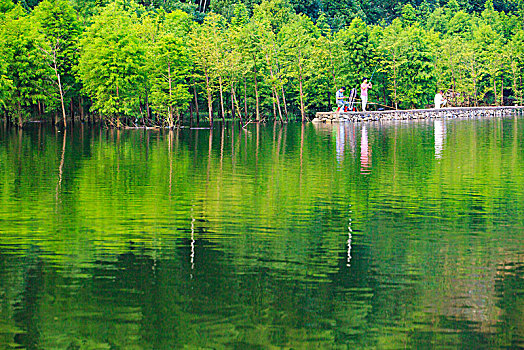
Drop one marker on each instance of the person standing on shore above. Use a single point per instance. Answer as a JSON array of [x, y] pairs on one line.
[[439, 99], [364, 92]]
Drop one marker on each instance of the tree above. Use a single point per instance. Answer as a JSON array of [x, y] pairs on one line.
[[168, 68], [207, 42], [355, 54], [515, 56], [409, 57], [298, 36], [59, 31], [23, 65], [111, 63]]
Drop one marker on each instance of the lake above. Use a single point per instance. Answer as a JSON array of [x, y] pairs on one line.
[[384, 235]]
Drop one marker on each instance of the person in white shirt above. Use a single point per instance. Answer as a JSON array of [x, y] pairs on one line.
[[439, 100]]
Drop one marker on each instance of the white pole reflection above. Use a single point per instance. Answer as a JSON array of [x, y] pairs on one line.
[[349, 241], [440, 136], [192, 256]]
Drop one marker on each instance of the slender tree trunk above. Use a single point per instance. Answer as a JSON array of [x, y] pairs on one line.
[[39, 109], [148, 111], [275, 94], [61, 95], [475, 90], [196, 103], [190, 113], [20, 120], [118, 101], [236, 105], [232, 101], [502, 93], [395, 80], [274, 107], [384, 97], [245, 98], [302, 107], [452, 64], [284, 102], [514, 80], [332, 69], [72, 111], [521, 91], [495, 91], [209, 99], [170, 107], [221, 99], [81, 108], [256, 96]]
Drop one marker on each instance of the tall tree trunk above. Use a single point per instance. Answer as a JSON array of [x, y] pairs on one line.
[[453, 78], [284, 102], [118, 101], [61, 95], [190, 113], [20, 120], [209, 99], [332, 69], [384, 97], [514, 81], [232, 101], [81, 108], [275, 94], [71, 111], [502, 93], [148, 110], [302, 107], [245, 98], [495, 91], [196, 103], [221, 99], [256, 96], [236, 105], [273, 101], [170, 107], [395, 80], [521, 91]]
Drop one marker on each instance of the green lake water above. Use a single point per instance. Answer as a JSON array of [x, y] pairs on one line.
[[394, 235]]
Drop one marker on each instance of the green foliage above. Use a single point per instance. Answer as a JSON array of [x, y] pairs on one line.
[[59, 32], [111, 63], [258, 59], [22, 84], [168, 67]]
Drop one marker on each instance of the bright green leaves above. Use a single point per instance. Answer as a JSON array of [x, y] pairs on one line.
[[408, 57], [23, 66], [168, 66], [111, 62]]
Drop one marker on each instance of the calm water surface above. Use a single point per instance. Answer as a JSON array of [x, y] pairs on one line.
[[355, 236]]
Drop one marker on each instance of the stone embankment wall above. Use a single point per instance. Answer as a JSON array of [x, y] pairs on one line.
[[453, 112]]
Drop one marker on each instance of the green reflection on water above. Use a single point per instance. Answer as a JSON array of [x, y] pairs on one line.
[[392, 235]]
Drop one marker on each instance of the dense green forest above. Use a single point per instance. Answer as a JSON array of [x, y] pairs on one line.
[[165, 62]]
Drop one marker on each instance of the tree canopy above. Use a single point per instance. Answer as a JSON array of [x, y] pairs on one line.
[[129, 62]]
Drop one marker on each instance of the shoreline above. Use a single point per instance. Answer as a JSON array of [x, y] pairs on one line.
[[410, 114]]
